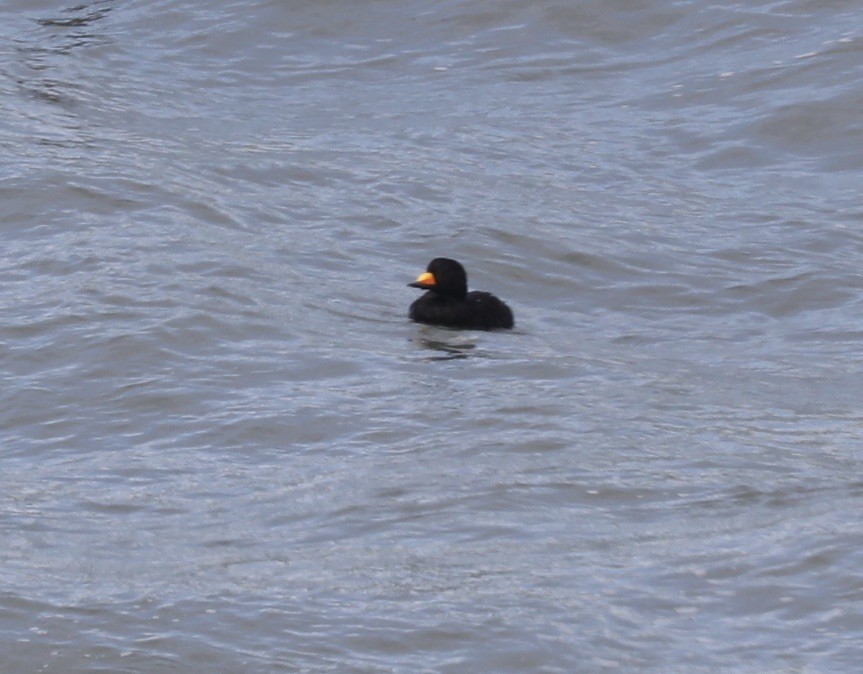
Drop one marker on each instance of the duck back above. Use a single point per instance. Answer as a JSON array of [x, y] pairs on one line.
[[477, 311]]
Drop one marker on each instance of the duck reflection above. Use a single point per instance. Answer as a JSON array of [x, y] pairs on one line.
[[447, 344]]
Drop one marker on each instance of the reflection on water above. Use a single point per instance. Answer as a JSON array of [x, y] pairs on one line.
[[79, 15], [449, 344], [39, 73]]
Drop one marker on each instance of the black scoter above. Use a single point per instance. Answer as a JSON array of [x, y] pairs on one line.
[[449, 303]]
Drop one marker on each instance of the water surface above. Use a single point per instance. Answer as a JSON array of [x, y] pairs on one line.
[[225, 447]]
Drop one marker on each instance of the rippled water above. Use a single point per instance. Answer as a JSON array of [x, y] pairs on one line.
[[226, 449]]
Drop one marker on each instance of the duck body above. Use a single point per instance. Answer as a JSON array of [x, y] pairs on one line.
[[448, 303], [477, 311]]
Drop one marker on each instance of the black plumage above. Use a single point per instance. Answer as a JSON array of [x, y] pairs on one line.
[[447, 301]]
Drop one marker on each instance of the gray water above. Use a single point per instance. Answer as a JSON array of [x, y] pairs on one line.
[[226, 449]]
